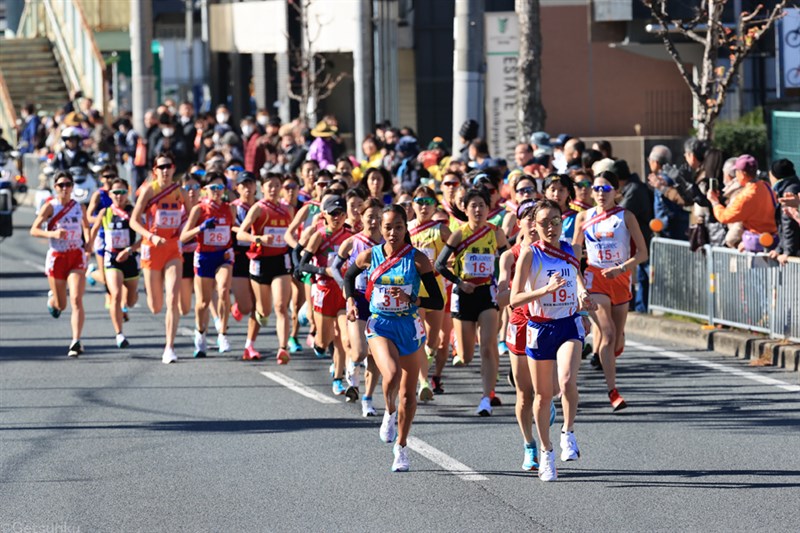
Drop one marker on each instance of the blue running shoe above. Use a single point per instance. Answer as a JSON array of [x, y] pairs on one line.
[[530, 461], [89, 279], [320, 354], [302, 316], [294, 346], [338, 387], [552, 412], [502, 348]]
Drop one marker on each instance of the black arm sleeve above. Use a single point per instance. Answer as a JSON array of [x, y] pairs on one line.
[[501, 250], [350, 279], [434, 301], [296, 252], [441, 264], [337, 269], [306, 266]]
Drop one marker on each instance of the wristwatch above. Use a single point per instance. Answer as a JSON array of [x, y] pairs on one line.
[[258, 241]]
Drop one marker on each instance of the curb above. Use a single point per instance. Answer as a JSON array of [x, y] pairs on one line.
[[739, 344]]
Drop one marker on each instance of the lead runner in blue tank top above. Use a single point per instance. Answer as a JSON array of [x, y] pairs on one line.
[[394, 331]]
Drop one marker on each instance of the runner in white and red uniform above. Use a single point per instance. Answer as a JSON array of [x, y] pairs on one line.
[[264, 228], [68, 233], [608, 231], [549, 283]]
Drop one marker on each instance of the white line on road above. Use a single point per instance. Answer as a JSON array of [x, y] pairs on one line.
[[35, 265], [444, 460], [418, 445], [298, 387], [716, 366]]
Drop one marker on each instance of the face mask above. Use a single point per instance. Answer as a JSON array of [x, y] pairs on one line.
[[247, 129], [215, 138], [262, 120], [167, 132], [222, 118]]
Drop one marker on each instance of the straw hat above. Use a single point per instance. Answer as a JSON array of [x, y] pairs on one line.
[[323, 129]]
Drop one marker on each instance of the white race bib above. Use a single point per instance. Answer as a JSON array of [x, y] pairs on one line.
[[255, 267], [218, 236], [120, 238], [430, 253], [277, 237], [479, 265], [168, 218], [532, 338], [387, 303]]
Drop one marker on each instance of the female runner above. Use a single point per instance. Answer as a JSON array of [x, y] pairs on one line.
[[475, 245], [121, 255], [559, 189], [159, 203], [550, 285], [210, 223], [329, 305], [290, 197], [429, 236], [68, 234], [264, 229], [607, 231], [359, 350], [191, 197], [240, 285], [394, 330], [100, 200]]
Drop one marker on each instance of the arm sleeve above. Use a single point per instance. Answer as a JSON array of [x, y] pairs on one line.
[[306, 266], [337, 269], [350, 279], [434, 301], [296, 252], [441, 264]]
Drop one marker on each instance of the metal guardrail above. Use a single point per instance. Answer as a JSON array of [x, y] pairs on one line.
[[726, 287], [64, 25]]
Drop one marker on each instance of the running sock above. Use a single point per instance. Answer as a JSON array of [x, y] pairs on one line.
[[120, 337], [531, 445], [74, 340], [247, 344], [365, 397]]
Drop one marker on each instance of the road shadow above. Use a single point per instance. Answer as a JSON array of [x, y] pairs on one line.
[[693, 479]]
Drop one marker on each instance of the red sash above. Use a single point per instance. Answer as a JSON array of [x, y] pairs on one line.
[[474, 238], [495, 212], [568, 213], [384, 267], [281, 211], [582, 205], [558, 254], [423, 227], [51, 225], [154, 200], [329, 240], [124, 215], [366, 240], [599, 218]]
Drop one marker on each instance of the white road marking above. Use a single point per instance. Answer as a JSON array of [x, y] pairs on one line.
[[716, 366], [445, 461], [418, 445], [298, 387], [186, 332], [35, 265]]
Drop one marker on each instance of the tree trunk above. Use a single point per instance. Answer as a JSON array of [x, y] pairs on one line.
[[530, 112]]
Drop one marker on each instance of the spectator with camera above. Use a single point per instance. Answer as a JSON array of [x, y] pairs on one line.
[[786, 184]]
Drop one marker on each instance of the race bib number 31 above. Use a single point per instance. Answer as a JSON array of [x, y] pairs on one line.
[[387, 303]]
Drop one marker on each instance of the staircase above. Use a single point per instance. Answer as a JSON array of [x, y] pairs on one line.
[[32, 74]]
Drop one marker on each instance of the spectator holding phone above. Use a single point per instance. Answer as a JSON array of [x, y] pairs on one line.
[[786, 184]]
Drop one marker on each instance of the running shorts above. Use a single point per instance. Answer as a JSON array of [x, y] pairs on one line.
[[362, 306], [617, 289], [406, 331], [129, 267], [188, 265], [468, 307], [59, 265], [206, 264], [516, 333], [328, 299], [241, 265], [263, 270], [545, 338], [157, 257]]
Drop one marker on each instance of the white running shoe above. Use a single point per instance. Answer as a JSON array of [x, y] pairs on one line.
[[222, 343], [547, 466], [569, 447], [200, 344], [367, 409], [388, 430], [485, 407], [352, 374], [169, 356], [400, 463]]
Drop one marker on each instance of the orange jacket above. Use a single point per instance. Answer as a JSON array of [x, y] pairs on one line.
[[754, 207]]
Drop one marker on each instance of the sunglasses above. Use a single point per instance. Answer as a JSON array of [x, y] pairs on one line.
[[119, 192], [199, 173], [235, 168], [405, 205], [323, 183], [64, 184], [526, 190], [164, 167], [290, 186], [215, 187], [583, 184], [425, 200], [337, 213], [555, 221], [191, 187], [108, 176], [602, 188], [450, 183]]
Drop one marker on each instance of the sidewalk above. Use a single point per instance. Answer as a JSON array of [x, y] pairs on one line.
[[741, 344]]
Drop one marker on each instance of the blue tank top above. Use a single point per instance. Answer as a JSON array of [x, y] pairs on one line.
[[404, 275], [360, 243], [105, 201]]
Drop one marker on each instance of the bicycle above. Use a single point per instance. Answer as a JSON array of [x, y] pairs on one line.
[[792, 38], [792, 77]]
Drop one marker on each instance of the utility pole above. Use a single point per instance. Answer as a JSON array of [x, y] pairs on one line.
[[530, 110], [385, 64], [467, 65], [190, 48], [142, 82], [362, 72]]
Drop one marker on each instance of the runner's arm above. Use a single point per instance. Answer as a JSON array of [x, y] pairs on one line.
[[502, 242], [642, 253], [341, 259], [444, 257], [308, 253], [578, 236], [191, 229], [293, 226], [350, 280], [503, 288], [138, 212], [243, 233], [44, 214], [519, 296], [97, 224]]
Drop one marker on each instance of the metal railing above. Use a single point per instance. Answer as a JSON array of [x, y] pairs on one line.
[[62, 22], [726, 287], [8, 115]]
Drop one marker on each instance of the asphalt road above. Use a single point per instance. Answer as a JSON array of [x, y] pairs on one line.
[[117, 441]]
